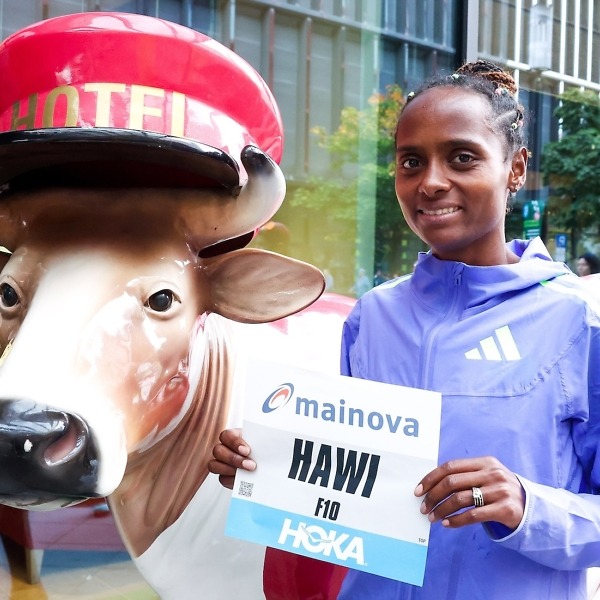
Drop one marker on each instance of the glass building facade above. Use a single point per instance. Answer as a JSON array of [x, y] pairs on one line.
[[340, 69]]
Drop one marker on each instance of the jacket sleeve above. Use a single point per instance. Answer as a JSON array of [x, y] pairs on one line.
[[561, 528]]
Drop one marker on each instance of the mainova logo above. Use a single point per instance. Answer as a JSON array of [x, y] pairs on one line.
[[340, 412], [280, 397], [317, 540]]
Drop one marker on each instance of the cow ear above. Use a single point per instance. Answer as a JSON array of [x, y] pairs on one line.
[[256, 286]]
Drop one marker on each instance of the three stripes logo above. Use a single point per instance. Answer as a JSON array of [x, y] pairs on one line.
[[500, 346]]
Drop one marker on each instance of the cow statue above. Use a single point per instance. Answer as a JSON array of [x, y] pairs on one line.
[[137, 160]]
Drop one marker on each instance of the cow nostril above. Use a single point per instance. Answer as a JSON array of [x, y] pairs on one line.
[[66, 446], [46, 455]]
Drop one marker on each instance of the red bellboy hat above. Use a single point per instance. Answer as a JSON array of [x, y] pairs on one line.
[[125, 99]]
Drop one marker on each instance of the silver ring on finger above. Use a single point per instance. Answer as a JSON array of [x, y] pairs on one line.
[[477, 497]]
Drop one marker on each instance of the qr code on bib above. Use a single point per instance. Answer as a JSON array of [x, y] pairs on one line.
[[246, 488]]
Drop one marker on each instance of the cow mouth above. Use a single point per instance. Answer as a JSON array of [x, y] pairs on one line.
[[46, 455]]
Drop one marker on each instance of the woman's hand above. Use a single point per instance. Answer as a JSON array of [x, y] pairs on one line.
[[448, 491], [230, 455]]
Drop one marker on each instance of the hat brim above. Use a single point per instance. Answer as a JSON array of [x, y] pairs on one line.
[[108, 157]]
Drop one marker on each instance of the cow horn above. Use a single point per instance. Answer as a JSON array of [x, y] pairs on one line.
[[233, 221]]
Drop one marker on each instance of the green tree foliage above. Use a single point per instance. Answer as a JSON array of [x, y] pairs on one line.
[[571, 166], [341, 194]]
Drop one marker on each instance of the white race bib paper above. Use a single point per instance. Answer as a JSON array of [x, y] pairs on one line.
[[338, 459]]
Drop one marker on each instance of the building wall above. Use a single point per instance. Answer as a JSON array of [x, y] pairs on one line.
[[557, 40], [551, 46]]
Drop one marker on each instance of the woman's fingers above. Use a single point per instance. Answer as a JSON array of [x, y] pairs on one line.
[[229, 455], [232, 439], [229, 458], [226, 481], [449, 494]]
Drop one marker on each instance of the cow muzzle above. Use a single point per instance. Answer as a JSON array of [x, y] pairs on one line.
[[47, 457]]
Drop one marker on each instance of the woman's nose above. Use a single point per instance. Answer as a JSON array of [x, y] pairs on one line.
[[434, 180]]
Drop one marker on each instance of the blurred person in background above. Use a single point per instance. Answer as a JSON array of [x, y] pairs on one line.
[[588, 264]]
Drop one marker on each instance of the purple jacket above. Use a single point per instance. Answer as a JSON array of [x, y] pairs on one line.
[[515, 352]]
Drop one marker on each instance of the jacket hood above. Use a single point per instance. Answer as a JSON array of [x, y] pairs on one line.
[[433, 278]]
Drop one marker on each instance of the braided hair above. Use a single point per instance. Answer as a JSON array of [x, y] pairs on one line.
[[498, 86]]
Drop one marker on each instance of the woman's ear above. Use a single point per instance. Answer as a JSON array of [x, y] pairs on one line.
[[518, 169]]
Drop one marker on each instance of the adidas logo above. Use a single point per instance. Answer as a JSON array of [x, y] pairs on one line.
[[499, 346]]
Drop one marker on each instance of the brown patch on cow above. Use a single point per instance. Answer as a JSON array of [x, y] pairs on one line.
[[160, 482]]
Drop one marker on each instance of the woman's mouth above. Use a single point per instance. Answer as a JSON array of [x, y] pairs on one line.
[[438, 212]]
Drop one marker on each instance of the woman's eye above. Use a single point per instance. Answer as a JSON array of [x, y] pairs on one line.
[[410, 163], [463, 158], [161, 301], [9, 295]]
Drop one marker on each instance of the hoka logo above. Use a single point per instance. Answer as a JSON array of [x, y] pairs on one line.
[[500, 346], [316, 540]]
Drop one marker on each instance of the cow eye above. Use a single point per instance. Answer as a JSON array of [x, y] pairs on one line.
[[161, 301], [9, 295]]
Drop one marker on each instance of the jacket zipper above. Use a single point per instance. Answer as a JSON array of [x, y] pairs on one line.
[[427, 352]]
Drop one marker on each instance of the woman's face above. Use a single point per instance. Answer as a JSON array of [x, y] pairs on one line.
[[453, 175], [583, 267]]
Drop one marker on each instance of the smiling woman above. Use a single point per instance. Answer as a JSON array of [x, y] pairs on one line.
[[512, 505]]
